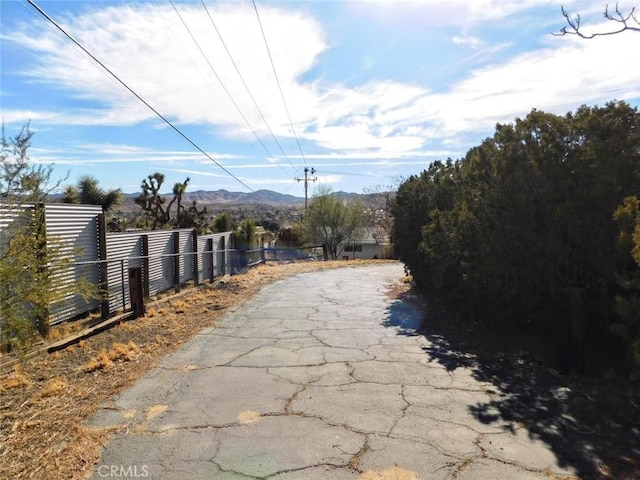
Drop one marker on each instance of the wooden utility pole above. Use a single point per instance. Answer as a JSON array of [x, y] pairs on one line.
[[306, 180]]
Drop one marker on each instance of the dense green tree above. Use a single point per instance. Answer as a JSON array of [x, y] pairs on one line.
[[333, 222], [416, 201], [524, 222], [626, 324]]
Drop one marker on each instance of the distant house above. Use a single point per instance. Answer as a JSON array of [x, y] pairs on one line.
[[369, 246], [264, 238]]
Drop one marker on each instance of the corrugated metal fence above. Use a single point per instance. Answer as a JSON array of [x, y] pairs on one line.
[[73, 230], [168, 258]]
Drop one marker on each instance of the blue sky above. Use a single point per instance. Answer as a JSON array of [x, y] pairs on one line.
[[369, 92]]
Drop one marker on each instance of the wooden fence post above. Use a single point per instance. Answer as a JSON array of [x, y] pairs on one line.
[[136, 292]]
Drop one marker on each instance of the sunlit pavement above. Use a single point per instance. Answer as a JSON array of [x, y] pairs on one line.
[[319, 376]]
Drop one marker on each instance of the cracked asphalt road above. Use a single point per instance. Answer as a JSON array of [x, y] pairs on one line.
[[319, 376]]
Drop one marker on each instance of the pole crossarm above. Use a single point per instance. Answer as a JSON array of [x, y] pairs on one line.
[[306, 181]]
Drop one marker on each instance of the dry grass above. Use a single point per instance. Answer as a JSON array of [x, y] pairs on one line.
[[55, 386], [392, 473], [15, 379], [46, 401], [180, 306], [118, 352]]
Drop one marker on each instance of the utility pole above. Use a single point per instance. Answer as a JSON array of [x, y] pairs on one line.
[[306, 180]]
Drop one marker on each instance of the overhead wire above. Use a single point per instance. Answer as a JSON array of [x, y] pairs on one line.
[[147, 104], [224, 87], [207, 79], [52, 28], [224, 44], [266, 44]]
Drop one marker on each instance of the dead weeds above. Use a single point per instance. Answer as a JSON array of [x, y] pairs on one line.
[[45, 402]]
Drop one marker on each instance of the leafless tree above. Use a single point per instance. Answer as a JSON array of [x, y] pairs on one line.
[[626, 21]]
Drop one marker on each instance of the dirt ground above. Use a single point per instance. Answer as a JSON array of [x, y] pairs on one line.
[[45, 401], [591, 422]]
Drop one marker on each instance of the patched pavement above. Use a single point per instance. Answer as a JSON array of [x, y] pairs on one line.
[[319, 376]]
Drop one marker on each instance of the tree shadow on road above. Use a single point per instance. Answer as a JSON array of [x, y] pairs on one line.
[[405, 314], [592, 424]]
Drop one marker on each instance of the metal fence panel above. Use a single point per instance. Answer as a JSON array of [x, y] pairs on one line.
[[120, 248], [10, 213], [161, 261], [72, 230], [186, 260], [12, 219], [221, 245], [205, 264]]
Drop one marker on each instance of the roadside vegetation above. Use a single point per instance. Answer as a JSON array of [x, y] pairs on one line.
[[28, 270], [537, 230], [46, 401]]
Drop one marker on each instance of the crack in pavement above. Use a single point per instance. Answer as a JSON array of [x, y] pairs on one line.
[[287, 405], [355, 460]]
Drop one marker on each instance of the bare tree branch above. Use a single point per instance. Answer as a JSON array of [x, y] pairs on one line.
[[627, 21]]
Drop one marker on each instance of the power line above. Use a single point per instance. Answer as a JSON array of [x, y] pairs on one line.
[[224, 87], [208, 80], [39, 18], [266, 44], [245, 84], [162, 117]]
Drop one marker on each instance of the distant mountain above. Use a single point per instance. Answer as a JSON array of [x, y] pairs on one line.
[[347, 195], [225, 197]]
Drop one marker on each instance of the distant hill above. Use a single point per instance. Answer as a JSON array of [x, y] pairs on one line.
[[240, 198], [225, 197]]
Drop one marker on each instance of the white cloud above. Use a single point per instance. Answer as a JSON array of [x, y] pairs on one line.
[[22, 116], [106, 153], [556, 79], [450, 13], [150, 50], [472, 42]]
